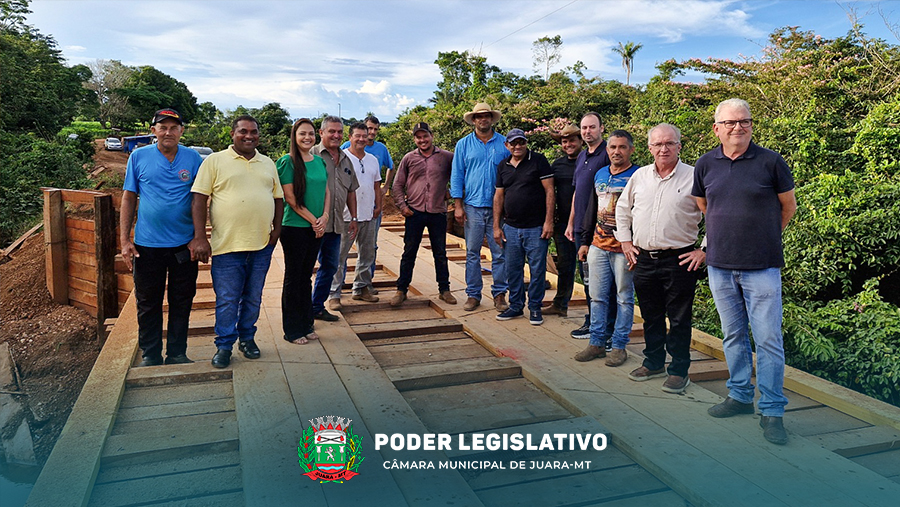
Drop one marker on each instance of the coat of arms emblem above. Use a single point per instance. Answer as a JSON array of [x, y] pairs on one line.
[[329, 451]]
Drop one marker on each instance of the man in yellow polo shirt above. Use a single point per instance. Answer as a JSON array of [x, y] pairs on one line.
[[245, 199]]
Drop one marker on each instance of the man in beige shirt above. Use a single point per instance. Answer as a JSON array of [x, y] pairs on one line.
[[657, 222]]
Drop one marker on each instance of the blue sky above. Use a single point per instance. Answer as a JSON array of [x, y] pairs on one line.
[[371, 55]]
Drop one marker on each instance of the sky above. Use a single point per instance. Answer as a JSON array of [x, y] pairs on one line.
[[350, 57]]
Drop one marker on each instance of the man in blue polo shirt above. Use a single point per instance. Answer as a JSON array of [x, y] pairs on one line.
[[524, 203], [472, 180], [161, 176], [747, 194]]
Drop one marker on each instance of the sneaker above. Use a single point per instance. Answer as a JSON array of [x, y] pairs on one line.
[[730, 407], [582, 333], [555, 310], [447, 297], [616, 358], [398, 298], [151, 361], [471, 304], [334, 304], [500, 303], [675, 384], [179, 359], [365, 295], [327, 317], [590, 353], [534, 316], [641, 373], [773, 429], [509, 314], [609, 344]]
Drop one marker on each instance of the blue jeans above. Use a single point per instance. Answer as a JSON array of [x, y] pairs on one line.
[[238, 279], [480, 223], [522, 245], [329, 259], [606, 268], [752, 299]]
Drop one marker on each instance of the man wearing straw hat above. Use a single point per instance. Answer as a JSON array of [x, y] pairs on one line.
[[569, 139], [472, 180]]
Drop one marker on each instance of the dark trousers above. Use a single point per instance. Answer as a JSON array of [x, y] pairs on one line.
[[436, 223], [150, 273], [301, 248], [663, 287], [565, 268]]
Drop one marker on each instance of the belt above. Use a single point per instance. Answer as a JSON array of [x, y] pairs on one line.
[[662, 254]]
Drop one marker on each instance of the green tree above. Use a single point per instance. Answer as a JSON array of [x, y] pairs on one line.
[[107, 79], [547, 52], [627, 52], [148, 90]]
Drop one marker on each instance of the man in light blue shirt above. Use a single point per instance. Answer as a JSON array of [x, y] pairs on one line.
[[380, 151], [472, 184]]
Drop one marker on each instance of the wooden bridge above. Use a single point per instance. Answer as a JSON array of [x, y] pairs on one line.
[[193, 435]]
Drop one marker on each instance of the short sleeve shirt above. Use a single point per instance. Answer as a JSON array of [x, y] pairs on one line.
[[242, 199], [524, 199], [164, 189], [313, 196], [743, 212], [564, 184], [341, 181], [608, 188], [368, 171]]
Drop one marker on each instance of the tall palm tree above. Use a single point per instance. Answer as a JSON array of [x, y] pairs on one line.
[[627, 52]]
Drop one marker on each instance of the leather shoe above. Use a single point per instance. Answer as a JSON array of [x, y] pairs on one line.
[[730, 407], [773, 429], [222, 358], [179, 359], [327, 317], [249, 348], [151, 361]]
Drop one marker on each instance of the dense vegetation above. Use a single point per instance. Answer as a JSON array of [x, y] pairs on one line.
[[831, 107]]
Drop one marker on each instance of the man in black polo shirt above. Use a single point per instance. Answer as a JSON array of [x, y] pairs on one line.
[[563, 173], [524, 202]]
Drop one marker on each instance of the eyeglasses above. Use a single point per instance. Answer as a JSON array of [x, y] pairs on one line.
[[730, 124], [518, 142], [670, 145]]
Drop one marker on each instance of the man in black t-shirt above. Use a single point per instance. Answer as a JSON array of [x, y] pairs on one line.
[[563, 173], [523, 223]]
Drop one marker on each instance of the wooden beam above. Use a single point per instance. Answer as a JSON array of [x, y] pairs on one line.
[[55, 241], [105, 249]]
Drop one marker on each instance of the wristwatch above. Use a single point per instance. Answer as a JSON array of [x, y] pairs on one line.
[[354, 219]]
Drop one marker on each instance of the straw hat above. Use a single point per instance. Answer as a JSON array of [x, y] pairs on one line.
[[481, 107], [567, 131]]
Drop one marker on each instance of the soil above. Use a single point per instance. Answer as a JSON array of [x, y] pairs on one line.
[[113, 161]]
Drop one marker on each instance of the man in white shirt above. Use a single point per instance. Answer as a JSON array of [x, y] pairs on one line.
[[368, 207], [657, 222]]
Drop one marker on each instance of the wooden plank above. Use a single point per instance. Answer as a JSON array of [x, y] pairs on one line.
[[83, 437], [861, 441], [416, 339], [83, 258], [81, 285], [393, 315], [175, 374], [460, 371], [392, 329], [83, 297], [385, 306], [91, 310], [105, 248], [79, 223], [78, 246], [21, 239], [56, 257], [815, 421], [887, 463], [175, 425], [185, 486], [186, 393], [390, 356], [80, 236], [169, 445], [170, 410], [116, 472], [125, 282], [795, 401]]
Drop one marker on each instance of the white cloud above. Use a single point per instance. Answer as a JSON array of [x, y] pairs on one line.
[[371, 88]]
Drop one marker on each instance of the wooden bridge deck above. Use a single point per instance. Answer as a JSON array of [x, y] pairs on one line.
[[194, 435]]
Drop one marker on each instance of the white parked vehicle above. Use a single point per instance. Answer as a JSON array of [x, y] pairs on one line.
[[113, 144]]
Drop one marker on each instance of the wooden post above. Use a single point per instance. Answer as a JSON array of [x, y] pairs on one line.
[[55, 246], [105, 247]]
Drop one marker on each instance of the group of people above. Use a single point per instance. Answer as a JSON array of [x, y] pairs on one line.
[[627, 230]]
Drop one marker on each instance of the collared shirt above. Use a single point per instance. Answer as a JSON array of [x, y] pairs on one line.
[[367, 173], [421, 182], [340, 182], [564, 184], [524, 197], [379, 150], [475, 169], [743, 212], [586, 166], [164, 188], [242, 199], [659, 213]]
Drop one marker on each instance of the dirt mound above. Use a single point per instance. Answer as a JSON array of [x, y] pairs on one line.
[[113, 161], [54, 346]]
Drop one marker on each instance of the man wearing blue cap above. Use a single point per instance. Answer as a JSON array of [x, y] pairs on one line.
[[524, 204]]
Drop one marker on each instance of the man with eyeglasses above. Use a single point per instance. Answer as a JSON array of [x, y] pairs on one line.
[[472, 180], [523, 224], [747, 194], [657, 222]]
